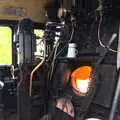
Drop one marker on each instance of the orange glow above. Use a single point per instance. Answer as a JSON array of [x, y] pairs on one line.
[[81, 79], [82, 85], [82, 73]]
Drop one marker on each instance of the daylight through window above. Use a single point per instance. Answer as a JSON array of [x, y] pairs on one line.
[[5, 45]]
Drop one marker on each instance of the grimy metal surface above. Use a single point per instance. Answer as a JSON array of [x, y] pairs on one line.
[[17, 9]]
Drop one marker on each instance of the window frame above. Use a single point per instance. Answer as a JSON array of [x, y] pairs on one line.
[[13, 25]]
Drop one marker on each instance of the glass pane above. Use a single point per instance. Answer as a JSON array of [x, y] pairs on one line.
[[39, 33], [39, 43], [5, 45]]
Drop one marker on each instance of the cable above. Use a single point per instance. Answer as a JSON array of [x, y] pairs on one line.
[[73, 30], [71, 37], [54, 58], [100, 8], [56, 54], [51, 54], [36, 68]]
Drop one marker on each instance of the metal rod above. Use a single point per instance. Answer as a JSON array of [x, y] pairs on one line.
[[117, 91], [115, 100]]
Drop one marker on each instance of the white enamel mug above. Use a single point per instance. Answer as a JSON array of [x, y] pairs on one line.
[[72, 51]]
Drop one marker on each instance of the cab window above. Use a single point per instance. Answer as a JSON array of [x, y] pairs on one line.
[[39, 32], [39, 43], [5, 45]]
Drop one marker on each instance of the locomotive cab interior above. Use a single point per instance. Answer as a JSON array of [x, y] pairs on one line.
[[54, 49]]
